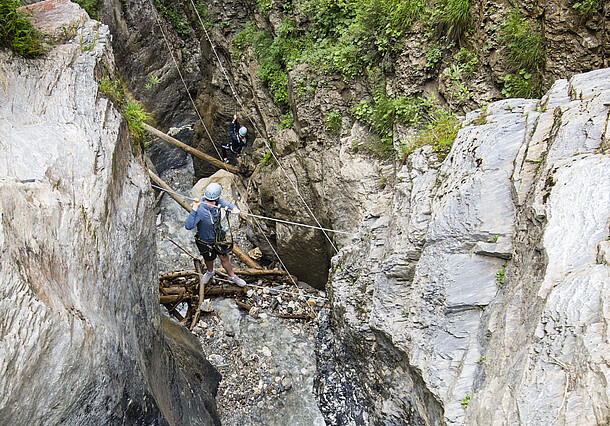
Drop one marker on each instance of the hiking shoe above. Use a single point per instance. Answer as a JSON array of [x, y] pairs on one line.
[[237, 281], [207, 277]]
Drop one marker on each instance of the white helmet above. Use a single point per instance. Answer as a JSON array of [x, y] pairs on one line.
[[243, 131], [212, 191]]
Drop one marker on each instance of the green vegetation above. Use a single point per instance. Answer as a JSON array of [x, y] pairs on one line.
[[274, 55], [453, 18], [525, 54], [587, 8], [433, 56], [464, 402], [440, 133], [267, 159], [264, 6], [153, 80], [333, 123], [493, 239], [481, 360], [171, 10], [132, 111], [286, 122], [500, 276], [92, 7], [16, 31]]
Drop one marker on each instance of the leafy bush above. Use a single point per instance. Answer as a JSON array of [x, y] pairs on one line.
[[467, 59], [132, 111], [333, 123], [525, 53], [16, 31], [274, 55], [135, 116]]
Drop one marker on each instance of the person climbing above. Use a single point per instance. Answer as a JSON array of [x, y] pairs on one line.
[[210, 237], [238, 139]]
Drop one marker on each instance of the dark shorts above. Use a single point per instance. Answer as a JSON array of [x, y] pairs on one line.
[[209, 251]]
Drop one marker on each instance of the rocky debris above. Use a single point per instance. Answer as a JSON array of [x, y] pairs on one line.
[[83, 338], [266, 361]]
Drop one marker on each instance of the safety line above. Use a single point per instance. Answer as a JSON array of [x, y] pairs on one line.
[[262, 217], [294, 184], [185, 86], [273, 248]]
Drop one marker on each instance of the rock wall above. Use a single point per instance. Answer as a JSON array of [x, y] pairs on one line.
[[477, 294], [83, 341]]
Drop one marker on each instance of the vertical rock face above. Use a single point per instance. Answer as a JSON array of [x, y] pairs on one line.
[[82, 338], [479, 290]]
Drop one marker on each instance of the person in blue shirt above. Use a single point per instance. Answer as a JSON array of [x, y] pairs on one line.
[[210, 239], [238, 139]]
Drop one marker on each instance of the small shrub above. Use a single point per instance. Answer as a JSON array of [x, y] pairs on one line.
[[114, 89], [464, 402], [132, 111], [440, 133], [16, 31], [468, 60], [333, 123], [267, 159], [286, 121], [453, 18], [433, 56], [587, 8], [135, 116], [500, 276], [174, 16], [152, 81], [264, 6]]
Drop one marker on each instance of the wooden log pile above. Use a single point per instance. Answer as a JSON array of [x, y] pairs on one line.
[[186, 287]]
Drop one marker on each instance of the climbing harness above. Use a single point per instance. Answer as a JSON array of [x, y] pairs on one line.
[[221, 245]]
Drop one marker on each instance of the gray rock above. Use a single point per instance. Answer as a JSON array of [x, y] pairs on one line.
[[416, 302], [84, 339]]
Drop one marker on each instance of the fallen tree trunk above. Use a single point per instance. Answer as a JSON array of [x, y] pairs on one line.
[[211, 292], [205, 157], [165, 186]]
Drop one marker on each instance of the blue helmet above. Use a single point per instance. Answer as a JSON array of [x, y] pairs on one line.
[[243, 131], [212, 191]]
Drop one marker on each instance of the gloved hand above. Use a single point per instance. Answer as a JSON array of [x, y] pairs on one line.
[[196, 204], [235, 210], [234, 117]]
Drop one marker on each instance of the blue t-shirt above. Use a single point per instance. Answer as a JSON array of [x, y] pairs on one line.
[[204, 218]]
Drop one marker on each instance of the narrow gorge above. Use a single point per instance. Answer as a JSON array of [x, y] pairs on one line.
[[455, 154]]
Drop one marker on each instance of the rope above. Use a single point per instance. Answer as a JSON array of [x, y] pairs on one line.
[[288, 222], [294, 184], [185, 86]]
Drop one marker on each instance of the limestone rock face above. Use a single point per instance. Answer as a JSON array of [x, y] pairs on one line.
[[476, 293], [83, 341]]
